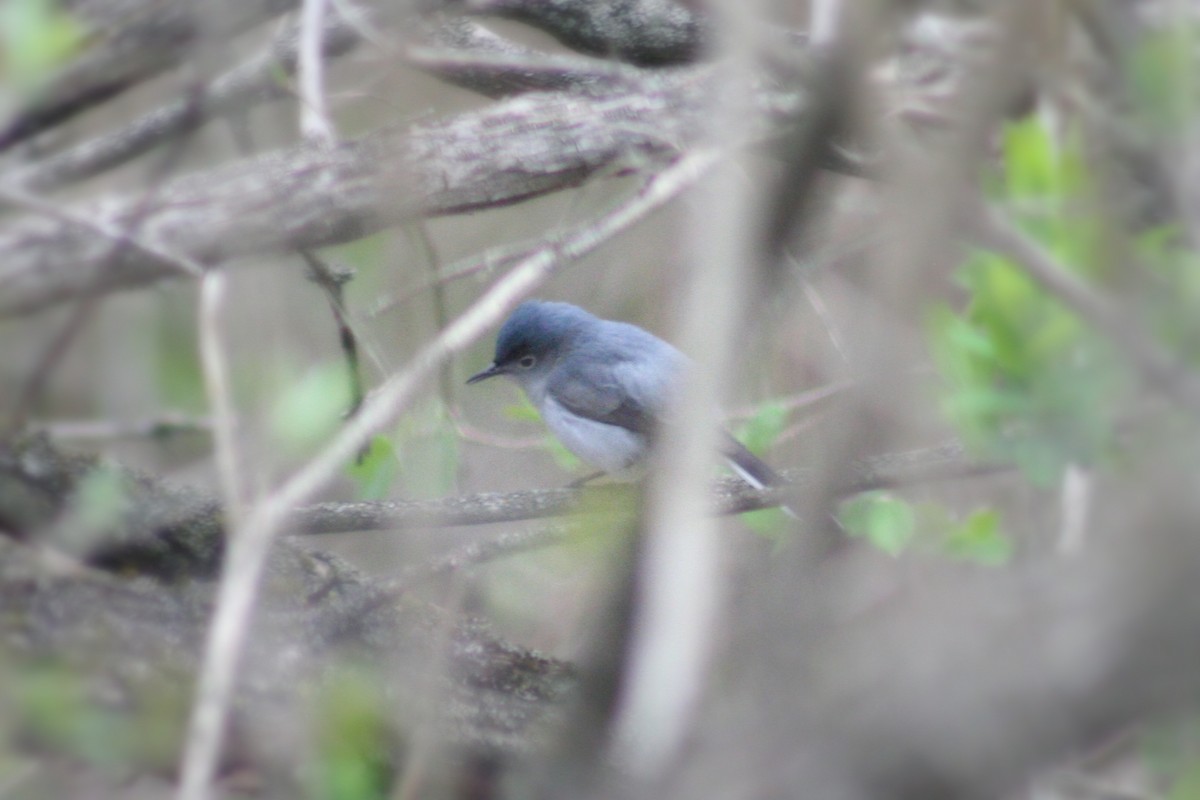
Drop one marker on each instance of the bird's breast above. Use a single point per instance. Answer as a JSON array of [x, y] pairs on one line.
[[607, 447]]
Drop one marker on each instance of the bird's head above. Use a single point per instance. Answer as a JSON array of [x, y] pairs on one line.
[[533, 338]]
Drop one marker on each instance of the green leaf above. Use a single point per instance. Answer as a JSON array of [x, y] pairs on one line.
[[759, 432], [882, 519], [352, 740], [1025, 379], [429, 457], [177, 370], [522, 412], [769, 522], [100, 498], [1162, 70], [1187, 785], [376, 470], [311, 408], [1028, 159], [35, 37], [566, 460], [980, 539]]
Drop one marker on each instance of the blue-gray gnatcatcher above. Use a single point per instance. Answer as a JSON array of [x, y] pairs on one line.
[[601, 386]]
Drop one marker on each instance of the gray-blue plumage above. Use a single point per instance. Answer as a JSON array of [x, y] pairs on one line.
[[601, 386]]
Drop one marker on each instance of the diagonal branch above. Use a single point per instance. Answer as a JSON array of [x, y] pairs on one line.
[[460, 52], [310, 197], [242, 572]]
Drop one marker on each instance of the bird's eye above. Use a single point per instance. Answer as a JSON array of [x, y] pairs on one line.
[[527, 362]]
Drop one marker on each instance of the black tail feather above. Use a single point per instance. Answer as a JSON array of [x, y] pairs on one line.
[[752, 469]]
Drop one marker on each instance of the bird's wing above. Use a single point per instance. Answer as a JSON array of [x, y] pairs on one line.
[[599, 393], [618, 389]]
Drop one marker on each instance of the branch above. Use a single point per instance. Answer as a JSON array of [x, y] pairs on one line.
[[311, 196], [315, 124], [464, 54], [128, 42], [203, 743], [508, 69], [644, 32], [729, 495]]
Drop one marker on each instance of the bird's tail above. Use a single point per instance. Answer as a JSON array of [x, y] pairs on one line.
[[752, 469]]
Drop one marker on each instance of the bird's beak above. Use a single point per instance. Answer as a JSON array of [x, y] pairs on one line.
[[491, 372]]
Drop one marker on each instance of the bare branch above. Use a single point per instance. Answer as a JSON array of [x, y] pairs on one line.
[[128, 43], [313, 196], [465, 54], [728, 496], [511, 70], [645, 32], [315, 124], [221, 651], [249, 84]]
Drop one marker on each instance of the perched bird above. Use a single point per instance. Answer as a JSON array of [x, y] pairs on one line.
[[600, 386]]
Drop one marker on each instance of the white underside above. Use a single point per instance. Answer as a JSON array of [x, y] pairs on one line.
[[607, 447]]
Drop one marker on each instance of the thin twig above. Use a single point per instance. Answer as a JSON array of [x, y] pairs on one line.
[[476, 435], [818, 304], [332, 282], [481, 265], [159, 427], [802, 401], [205, 729], [315, 124], [1075, 502], [824, 17], [240, 579]]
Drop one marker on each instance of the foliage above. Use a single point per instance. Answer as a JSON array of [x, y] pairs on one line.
[[422, 454], [1026, 379], [177, 370], [1162, 71], [48, 705], [375, 470], [894, 525], [35, 37], [1170, 749], [353, 739], [101, 499], [427, 450], [759, 433], [1172, 273], [311, 408]]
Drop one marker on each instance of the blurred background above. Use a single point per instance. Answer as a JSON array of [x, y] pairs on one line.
[[963, 240]]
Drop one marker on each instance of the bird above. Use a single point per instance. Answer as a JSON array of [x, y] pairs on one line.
[[602, 386]]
